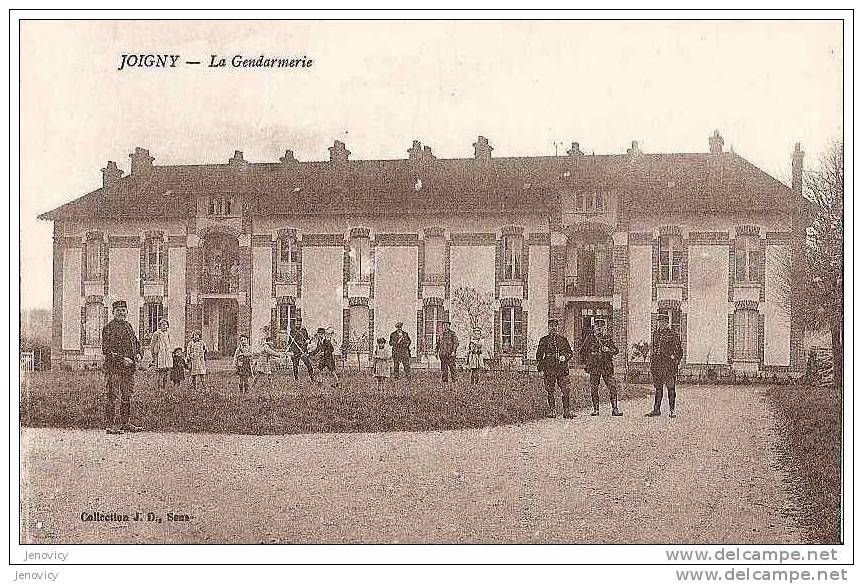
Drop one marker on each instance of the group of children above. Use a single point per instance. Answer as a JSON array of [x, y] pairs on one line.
[[252, 362]]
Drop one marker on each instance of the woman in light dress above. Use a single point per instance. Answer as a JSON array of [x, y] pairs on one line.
[[475, 359], [161, 348]]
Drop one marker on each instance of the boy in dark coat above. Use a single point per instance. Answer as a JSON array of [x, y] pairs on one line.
[[597, 351], [178, 367]]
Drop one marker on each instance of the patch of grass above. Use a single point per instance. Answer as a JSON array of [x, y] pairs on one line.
[[810, 419], [77, 400]]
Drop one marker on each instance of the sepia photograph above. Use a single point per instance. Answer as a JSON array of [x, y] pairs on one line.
[[446, 281]]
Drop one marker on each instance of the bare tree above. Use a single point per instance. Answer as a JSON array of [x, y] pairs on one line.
[[472, 309], [823, 253]]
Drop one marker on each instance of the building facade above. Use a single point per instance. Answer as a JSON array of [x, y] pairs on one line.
[[228, 249]]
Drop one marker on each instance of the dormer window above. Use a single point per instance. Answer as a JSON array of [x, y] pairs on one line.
[[221, 206], [591, 202]]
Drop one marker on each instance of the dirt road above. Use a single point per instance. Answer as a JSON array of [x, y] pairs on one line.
[[708, 476]]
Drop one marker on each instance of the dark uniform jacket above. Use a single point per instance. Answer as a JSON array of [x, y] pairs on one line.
[[401, 344], [299, 340], [446, 344], [665, 353], [551, 347], [118, 341], [596, 361]]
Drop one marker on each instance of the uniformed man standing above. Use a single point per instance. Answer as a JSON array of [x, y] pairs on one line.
[[665, 356], [122, 350], [552, 358], [597, 351]]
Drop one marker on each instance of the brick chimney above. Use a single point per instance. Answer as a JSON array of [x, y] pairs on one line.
[[575, 151], [288, 158], [797, 169], [237, 159], [716, 143], [111, 175], [142, 162], [482, 149], [338, 153], [633, 151], [415, 152], [427, 154]]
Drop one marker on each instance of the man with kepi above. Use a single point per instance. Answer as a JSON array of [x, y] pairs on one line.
[[122, 351], [552, 358]]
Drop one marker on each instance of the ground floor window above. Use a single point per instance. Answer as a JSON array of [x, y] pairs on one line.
[[153, 313], [746, 335], [674, 318], [433, 318], [287, 317]]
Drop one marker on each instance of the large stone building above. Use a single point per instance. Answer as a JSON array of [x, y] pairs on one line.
[[226, 249]]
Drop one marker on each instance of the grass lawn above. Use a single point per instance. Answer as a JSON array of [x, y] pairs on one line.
[[76, 400], [811, 430]]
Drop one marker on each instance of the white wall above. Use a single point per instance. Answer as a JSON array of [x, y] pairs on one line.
[[72, 298], [262, 288], [472, 266], [124, 269], [537, 292], [177, 294], [640, 305], [322, 289], [776, 307], [707, 306], [396, 291]]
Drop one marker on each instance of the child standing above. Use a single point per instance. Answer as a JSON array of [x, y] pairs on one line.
[[326, 349], [475, 361], [160, 348], [381, 363], [197, 366], [243, 362], [266, 354], [179, 366]]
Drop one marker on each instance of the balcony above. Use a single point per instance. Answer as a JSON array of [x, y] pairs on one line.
[[220, 283], [575, 286]]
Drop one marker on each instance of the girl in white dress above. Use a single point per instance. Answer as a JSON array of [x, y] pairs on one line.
[[475, 360], [161, 348], [195, 353]]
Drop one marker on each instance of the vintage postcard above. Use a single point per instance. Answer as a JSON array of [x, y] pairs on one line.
[[394, 281]]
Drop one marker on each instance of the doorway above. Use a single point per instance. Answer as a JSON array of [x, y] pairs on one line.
[[220, 326]]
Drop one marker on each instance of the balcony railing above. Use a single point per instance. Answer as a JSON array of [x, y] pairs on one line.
[[287, 273], [220, 283], [575, 286]]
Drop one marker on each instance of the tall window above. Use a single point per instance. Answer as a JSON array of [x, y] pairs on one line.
[[432, 326], [93, 259], [512, 257], [670, 258], [748, 260], [153, 313], [673, 316], [93, 323], [361, 259], [746, 335], [153, 258], [591, 202], [434, 257], [287, 259], [287, 315], [508, 317]]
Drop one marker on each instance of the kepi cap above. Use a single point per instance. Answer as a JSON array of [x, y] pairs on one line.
[[118, 304]]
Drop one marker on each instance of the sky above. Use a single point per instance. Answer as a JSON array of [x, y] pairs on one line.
[[525, 85]]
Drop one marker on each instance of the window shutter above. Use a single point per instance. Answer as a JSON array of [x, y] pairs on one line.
[[143, 267], [497, 333], [163, 260], [274, 320], [756, 261], [739, 265], [142, 320]]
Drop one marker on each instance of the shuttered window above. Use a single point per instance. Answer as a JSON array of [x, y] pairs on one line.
[[746, 335], [671, 259], [748, 260]]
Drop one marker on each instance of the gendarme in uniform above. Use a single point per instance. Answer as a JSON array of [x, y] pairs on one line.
[[552, 358], [122, 350]]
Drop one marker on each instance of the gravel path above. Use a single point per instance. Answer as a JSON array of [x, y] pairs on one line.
[[708, 476]]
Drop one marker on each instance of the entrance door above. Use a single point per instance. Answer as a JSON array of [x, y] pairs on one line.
[[220, 326]]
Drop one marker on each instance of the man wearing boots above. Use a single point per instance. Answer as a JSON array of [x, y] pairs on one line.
[[446, 348], [122, 350], [597, 351], [665, 356], [400, 341], [552, 358]]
